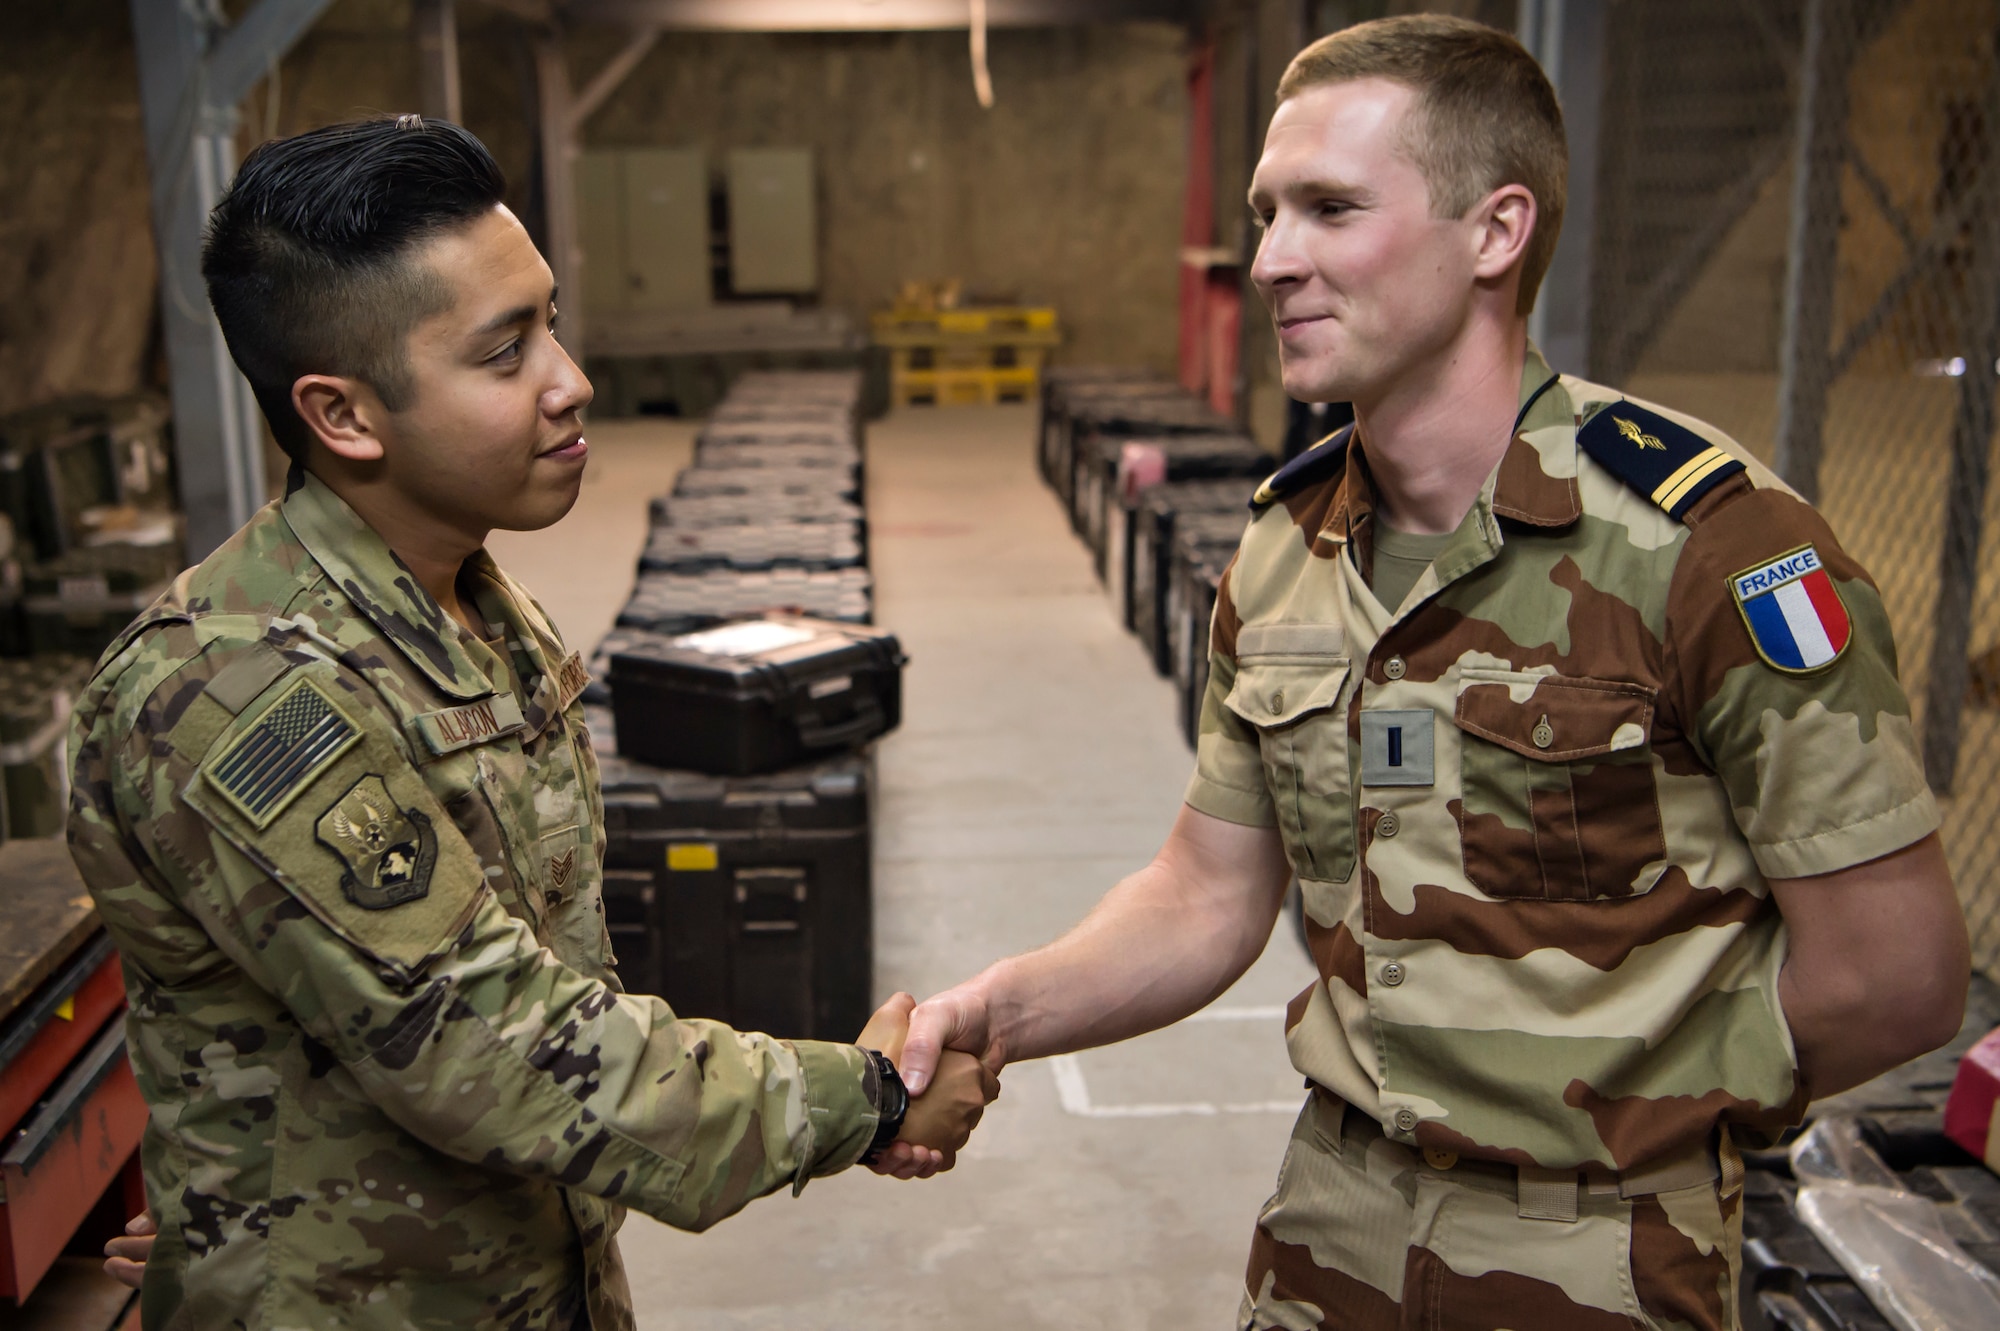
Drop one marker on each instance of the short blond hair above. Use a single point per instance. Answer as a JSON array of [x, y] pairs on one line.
[[1485, 115]]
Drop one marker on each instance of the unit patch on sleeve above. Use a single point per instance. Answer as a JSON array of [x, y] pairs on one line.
[[386, 853], [264, 769], [1796, 618], [1665, 461]]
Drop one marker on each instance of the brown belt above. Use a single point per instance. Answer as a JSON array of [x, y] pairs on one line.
[[1553, 1194]]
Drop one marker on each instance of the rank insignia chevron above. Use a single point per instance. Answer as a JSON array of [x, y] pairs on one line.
[[1668, 463]]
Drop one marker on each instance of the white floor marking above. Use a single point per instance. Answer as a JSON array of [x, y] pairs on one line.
[[1074, 1091]]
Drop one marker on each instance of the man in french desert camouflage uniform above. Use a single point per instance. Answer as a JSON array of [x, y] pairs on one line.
[[1580, 732], [336, 804]]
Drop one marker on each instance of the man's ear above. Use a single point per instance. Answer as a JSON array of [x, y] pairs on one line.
[[342, 414], [1507, 221]]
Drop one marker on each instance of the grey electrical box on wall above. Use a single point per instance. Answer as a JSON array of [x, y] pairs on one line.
[[773, 222], [645, 230]]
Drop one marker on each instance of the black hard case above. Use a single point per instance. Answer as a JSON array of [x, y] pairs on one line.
[[1201, 574], [1064, 385], [1122, 421], [738, 715], [1161, 510], [745, 900], [1188, 457]]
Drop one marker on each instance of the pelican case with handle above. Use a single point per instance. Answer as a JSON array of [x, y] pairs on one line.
[[755, 695], [744, 899]]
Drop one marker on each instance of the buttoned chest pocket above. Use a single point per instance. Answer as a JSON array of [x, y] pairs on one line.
[[1294, 703], [1559, 797]]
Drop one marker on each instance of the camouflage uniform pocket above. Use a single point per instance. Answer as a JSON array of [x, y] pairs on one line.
[[1294, 703], [1559, 798]]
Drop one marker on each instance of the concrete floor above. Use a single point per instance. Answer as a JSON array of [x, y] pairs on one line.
[[1038, 762]]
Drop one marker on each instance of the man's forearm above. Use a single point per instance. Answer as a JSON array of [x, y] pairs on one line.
[[1147, 956]]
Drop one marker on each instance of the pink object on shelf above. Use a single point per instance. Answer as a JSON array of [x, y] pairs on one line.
[[1972, 1111]]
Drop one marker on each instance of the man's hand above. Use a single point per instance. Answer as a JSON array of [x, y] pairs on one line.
[[954, 1019], [126, 1258]]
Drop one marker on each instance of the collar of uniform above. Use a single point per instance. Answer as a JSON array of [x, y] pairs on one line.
[[368, 573], [505, 605], [1535, 482]]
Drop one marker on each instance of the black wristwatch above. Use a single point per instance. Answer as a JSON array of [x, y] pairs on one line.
[[892, 1101]]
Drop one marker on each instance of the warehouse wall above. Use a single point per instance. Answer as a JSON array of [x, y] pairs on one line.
[[1068, 191], [77, 276]]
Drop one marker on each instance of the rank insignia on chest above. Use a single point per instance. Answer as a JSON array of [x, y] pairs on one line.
[[387, 852], [1796, 618]]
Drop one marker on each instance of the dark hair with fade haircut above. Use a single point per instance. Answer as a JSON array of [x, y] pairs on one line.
[[308, 256], [1485, 115]]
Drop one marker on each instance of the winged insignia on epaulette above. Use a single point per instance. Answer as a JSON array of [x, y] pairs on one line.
[[1637, 435]]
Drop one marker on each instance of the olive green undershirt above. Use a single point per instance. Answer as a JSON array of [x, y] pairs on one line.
[[1400, 559]]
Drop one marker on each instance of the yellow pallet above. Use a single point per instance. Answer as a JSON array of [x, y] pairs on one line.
[[955, 356], [1028, 326], [963, 388]]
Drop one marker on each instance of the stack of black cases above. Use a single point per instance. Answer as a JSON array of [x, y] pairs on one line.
[[1158, 485], [733, 707]]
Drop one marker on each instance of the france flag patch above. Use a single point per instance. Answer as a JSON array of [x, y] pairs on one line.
[[1794, 611]]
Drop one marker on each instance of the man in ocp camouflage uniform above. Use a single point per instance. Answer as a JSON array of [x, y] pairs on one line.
[[335, 802], [1580, 732]]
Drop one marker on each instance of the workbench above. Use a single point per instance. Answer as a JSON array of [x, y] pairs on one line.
[[70, 1111]]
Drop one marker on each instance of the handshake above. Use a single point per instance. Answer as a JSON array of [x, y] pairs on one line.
[[949, 1091]]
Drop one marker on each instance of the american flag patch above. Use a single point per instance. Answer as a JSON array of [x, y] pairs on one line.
[[269, 764]]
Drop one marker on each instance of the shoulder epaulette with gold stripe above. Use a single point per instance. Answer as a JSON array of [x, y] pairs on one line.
[[1316, 463], [1668, 463]]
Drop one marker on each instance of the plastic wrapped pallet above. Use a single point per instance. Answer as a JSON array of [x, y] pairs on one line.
[[771, 456], [746, 900], [678, 602], [753, 482], [749, 506], [753, 546]]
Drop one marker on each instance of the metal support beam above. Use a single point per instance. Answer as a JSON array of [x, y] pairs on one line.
[[1972, 429], [434, 23], [192, 73], [1805, 356], [1568, 40], [563, 113], [613, 74], [562, 237]]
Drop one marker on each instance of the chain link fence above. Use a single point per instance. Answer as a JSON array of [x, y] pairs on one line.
[[1797, 237]]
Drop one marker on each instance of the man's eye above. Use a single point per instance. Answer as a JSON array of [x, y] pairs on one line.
[[555, 320], [1332, 209], [512, 351], [1261, 221]]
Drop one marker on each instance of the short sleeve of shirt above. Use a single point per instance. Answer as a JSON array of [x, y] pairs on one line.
[[1228, 780], [1820, 762]]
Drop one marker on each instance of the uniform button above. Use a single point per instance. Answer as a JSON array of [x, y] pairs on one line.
[[1406, 1120], [1394, 667], [1388, 824], [1545, 734], [1392, 974], [1437, 1157], [1277, 701]]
